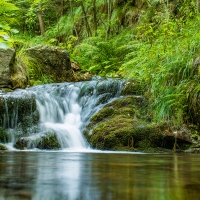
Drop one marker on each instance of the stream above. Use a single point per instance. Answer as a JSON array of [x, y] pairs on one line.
[[64, 111], [75, 171], [96, 175]]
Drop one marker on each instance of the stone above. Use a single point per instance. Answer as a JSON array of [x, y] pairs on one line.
[[18, 110], [13, 72], [46, 140], [3, 148], [54, 62], [75, 66], [123, 124], [7, 59]]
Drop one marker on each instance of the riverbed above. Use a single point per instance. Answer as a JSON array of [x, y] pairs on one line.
[[97, 175]]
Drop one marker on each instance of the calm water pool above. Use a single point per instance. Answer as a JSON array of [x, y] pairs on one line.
[[96, 176]]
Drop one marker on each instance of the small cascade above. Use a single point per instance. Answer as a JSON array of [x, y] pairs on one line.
[[63, 110]]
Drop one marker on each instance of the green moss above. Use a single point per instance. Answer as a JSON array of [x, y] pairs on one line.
[[4, 138], [133, 87], [128, 101], [4, 90], [102, 114], [3, 148], [48, 141], [121, 125], [113, 126], [111, 133]]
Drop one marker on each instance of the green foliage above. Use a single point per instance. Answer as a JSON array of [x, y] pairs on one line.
[[152, 41], [6, 20], [6, 10], [158, 52], [98, 56], [163, 58], [34, 69]]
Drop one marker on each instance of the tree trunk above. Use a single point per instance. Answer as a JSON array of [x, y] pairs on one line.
[[41, 21], [74, 25], [95, 17], [89, 33], [109, 19], [62, 8]]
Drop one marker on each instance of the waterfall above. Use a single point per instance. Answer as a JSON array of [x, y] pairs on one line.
[[66, 108]]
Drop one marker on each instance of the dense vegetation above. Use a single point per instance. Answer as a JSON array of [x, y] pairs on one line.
[[156, 42]]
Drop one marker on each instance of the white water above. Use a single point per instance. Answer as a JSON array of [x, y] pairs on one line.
[[64, 120], [66, 108]]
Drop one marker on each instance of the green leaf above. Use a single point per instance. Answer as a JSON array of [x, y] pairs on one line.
[[4, 45], [14, 31]]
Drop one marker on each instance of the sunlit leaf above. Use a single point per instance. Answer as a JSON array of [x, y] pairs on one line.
[[4, 45]]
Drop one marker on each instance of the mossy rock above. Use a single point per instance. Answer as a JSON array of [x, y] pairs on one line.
[[3, 148], [113, 126], [122, 124], [110, 86], [111, 133], [133, 87], [148, 136], [102, 114], [49, 141], [45, 141], [128, 101]]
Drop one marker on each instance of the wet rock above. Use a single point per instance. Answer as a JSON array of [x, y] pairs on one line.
[[47, 140], [18, 110], [54, 62], [122, 124], [3, 148]]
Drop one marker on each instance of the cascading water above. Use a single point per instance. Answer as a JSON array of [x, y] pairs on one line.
[[66, 108]]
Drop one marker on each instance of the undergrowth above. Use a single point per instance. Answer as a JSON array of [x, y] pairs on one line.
[[159, 54]]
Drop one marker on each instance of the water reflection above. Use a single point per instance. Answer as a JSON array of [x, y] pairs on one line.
[[72, 176]]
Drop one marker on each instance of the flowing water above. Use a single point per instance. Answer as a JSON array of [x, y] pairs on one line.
[[64, 109], [98, 176], [76, 172]]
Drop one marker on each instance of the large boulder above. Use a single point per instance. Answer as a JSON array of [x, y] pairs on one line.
[[124, 125], [7, 59], [54, 62], [13, 74]]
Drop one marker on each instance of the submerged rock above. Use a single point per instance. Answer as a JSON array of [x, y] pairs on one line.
[[46, 140], [3, 148]]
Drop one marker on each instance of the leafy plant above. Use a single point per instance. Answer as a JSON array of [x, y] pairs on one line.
[[6, 20]]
